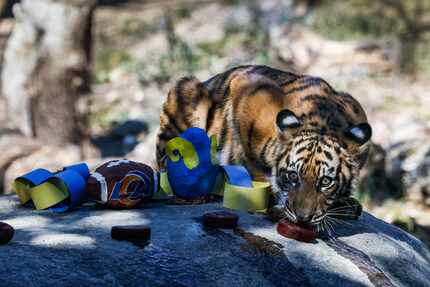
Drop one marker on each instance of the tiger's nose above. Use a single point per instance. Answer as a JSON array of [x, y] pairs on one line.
[[303, 217]]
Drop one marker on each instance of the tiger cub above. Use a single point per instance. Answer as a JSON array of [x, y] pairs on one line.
[[295, 130]]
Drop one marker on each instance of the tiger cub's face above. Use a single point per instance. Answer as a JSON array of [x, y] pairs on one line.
[[317, 169]]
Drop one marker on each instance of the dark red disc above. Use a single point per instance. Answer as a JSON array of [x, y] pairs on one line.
[[220, 219], [141, 233], [6, 233], [294, 231]]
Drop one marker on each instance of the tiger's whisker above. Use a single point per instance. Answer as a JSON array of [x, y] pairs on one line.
[[340, 221], [332, 222], [329, 226], [337, 213], [339, 210], [342, 208], [326, 227]]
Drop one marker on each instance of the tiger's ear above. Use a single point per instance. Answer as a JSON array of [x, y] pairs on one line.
[[286, 120], [359, 134]]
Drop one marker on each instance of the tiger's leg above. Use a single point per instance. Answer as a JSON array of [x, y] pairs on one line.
[[256, 174], [275, 210], [186, 106]]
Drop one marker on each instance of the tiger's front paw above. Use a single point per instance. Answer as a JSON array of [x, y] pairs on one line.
[[276, 209]]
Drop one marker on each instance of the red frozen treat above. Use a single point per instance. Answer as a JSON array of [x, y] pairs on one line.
[[141, 233], [294, 231], [6, 233], [220, 219]]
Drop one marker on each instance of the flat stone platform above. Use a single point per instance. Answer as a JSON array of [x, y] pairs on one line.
[[75, 249]]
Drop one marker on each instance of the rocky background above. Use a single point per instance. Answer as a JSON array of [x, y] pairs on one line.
[[377, 52]]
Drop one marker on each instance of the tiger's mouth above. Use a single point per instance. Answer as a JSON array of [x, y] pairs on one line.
[[314, 220], [326, 220], [322, 223]]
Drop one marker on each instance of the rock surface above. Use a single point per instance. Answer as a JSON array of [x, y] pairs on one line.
[[75, 249]]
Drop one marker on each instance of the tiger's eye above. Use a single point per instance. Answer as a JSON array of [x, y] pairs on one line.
[[326, 181], [292, 176]]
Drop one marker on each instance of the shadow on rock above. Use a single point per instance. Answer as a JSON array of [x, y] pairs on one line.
[[121, 139]]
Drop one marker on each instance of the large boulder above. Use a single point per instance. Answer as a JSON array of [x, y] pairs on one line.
[[76, 249]]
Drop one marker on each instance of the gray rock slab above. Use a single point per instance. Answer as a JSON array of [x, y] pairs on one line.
[[75, 249]]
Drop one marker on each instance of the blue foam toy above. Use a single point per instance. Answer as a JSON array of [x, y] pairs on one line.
[[191, 169], [75, 184], [237, 175], [36, 176], [81, 168], [71, 180]]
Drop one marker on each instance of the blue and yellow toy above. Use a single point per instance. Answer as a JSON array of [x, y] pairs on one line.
[[193, 171], [191, 166]]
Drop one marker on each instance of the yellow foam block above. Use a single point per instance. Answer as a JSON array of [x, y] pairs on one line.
[[253, 199], [22, 189], [48, 194]]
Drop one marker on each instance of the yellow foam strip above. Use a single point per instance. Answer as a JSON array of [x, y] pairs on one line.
[[185, 150], [253, 199], [165, 190], [22, 189], [48, 194]]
